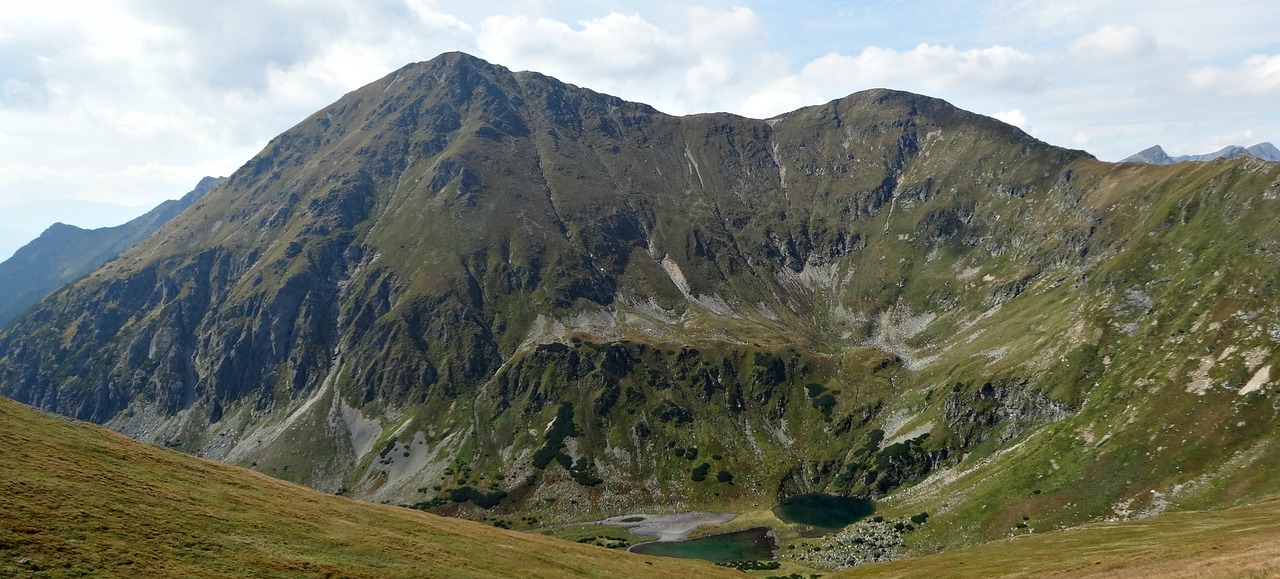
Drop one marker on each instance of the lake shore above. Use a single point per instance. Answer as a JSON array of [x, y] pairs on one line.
[[669, 527]]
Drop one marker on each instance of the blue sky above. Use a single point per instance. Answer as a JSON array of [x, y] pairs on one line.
[[110, 107]]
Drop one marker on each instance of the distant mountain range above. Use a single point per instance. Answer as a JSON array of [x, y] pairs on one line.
[[64, 253], [1155, 155]]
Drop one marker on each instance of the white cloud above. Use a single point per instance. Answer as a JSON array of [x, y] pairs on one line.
[[697, 62], [927, 68], [1113, 42], [736, 26], [1245, 137], [709, 74], [1014, 117], [786, 95], [1203, 29], [934, 67], [612, 45], [17, 93], [1258, 75]]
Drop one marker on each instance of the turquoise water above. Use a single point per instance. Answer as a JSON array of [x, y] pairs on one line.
[[754, 544], [825, 511]]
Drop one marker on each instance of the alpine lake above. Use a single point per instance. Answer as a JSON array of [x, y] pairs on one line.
[[754, 544], [824, 513]]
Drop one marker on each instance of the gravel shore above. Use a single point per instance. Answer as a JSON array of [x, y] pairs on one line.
[[673, 527]]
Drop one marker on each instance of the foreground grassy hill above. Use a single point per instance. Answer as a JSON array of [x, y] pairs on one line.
[[77, 500], [1235, 542]]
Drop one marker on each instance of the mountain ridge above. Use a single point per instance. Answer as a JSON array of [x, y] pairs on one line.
[[460, 280], [1155, 154], [64, 252]]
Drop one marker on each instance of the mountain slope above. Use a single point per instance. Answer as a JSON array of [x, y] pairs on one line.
[[64, 253], [460, 281], [79, 500], [1236, 542]]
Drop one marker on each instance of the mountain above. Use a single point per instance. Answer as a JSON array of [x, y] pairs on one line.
[[1264, 151], [81, 501], [26, 220], [489, 293], [1156, 156], [64, 253], [1153, 155]]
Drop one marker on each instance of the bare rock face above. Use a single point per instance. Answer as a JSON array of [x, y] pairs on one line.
[[463, 288]]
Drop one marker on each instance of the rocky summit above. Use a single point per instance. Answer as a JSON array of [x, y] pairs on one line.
[[478, 291]]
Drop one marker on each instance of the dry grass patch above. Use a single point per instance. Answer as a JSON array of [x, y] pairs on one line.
[[77, 500]]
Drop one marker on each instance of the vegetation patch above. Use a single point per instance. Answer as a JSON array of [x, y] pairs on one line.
[[482, 499]]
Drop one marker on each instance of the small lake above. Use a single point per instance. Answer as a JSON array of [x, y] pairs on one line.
[[825, 511], [754, 544]]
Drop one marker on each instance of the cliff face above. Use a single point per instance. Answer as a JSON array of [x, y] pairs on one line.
[[459, 282]]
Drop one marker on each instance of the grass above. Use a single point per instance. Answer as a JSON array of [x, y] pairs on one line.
[[77, 500], [1235, 542]]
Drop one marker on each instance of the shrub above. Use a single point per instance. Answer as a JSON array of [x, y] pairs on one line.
[[482, 499]]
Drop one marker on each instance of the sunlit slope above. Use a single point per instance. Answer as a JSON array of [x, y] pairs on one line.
[[77, 500], [1236, 542]]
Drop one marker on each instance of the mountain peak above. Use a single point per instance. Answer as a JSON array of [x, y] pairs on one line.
[[1153, 155], [1265, 151]]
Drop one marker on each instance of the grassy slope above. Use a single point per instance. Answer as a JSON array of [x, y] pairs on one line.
[[1235, 542], [81, 500]]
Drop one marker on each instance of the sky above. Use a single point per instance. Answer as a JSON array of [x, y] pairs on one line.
[[112, 106]]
